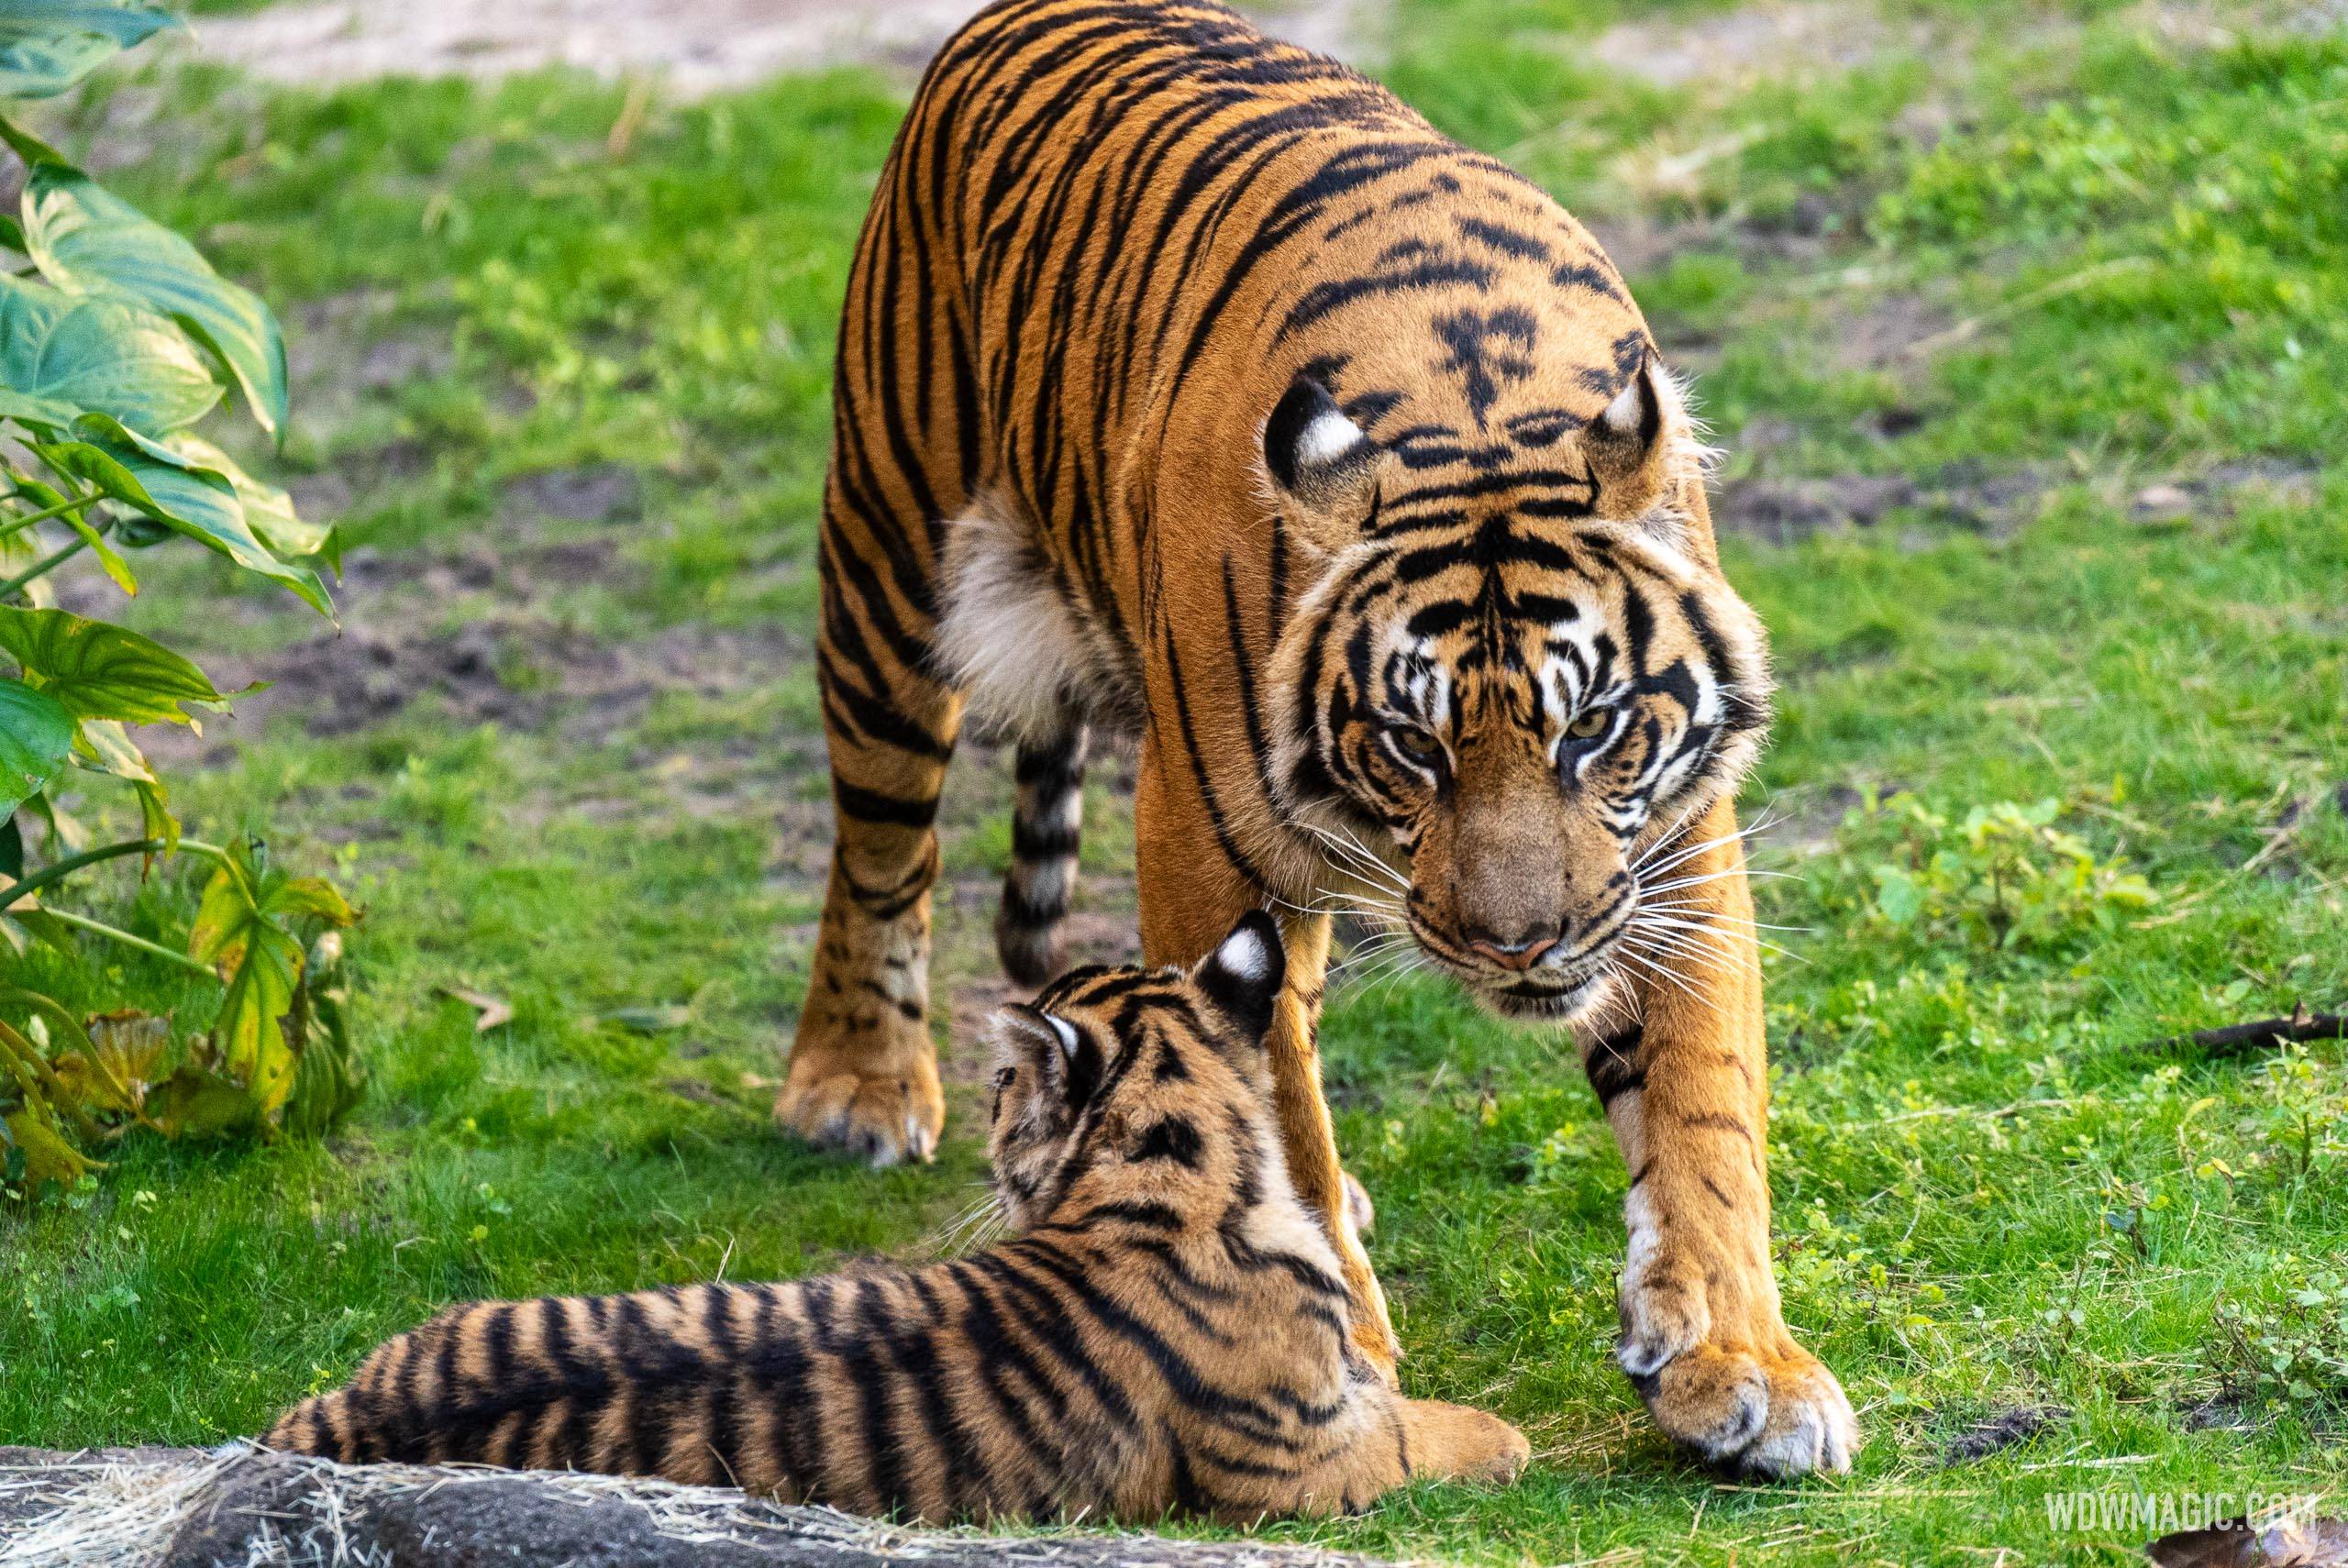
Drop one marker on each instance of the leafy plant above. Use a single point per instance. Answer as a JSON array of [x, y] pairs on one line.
[[115, 338], [2290, 1351], [2002, 876]]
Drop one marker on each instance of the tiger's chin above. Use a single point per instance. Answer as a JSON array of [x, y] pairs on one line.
[[1533, 999]]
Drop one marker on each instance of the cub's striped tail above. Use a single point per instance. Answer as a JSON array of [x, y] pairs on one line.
[[613, 1383], [1045, 828]]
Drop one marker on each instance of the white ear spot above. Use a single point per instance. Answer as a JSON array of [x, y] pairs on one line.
[[1066, 1030], [1243, 955], [1330, 436], [1622, 415]]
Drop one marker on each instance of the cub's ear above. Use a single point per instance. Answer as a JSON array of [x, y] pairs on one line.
[[1064, 1063], [1242, 976], [1322, 463]]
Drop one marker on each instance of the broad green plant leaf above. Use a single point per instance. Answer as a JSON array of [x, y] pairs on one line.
[[46, 46], [47, 1156], [260, 964], [101, 352], [97, 670], [194, 1102], [45, 412], [331, 1078], [269, 511], [178, 492], [36, 739], [240, 929], [110, 750], [87, 240]]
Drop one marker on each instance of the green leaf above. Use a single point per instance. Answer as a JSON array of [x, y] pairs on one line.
[[109, 559], [311, 896], [47, 1156], [46, 46], [331, 1078], [101, 352], [87, 240], [262, 963], [269, 511], [41, 411], [194, 1103], [180, 494], [97, 671], [35, 738], [120, 23], [111, 751]]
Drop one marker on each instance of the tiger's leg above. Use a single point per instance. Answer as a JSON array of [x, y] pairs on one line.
[[1190, 897], [863, 1071], [1685, 1088]]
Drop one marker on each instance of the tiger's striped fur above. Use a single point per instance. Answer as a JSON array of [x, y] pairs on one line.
[[1189, 383], [1167, 1333]]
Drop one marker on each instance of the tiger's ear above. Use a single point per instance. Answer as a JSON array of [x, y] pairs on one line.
[[1243, 975], [1324, 465], [1629, 445]]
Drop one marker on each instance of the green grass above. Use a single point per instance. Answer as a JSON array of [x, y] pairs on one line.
[[2134, 259]]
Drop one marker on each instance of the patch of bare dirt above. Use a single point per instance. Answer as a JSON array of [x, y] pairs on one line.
[[519, 672], [595, 493], [1774, 37], [1783, 510], [693, 46], [2001, 1431]]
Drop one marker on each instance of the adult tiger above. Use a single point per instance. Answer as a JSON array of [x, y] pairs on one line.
[[1189, 382], [1167, 1330]]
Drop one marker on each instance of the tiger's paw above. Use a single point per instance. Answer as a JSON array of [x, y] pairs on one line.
[[1768, 1416], [886, 1118], [1452, 1442], [1771, 1412]]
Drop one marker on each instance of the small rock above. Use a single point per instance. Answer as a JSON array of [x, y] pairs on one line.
[[2162, 503]]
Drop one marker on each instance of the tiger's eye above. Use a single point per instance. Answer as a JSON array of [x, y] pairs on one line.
[[1419, 745], [1591, 723]]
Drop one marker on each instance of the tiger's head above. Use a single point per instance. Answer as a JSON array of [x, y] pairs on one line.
[[1520, 665], [1112, 1073]]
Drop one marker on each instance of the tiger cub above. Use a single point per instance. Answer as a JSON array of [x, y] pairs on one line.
[[1169, 1331]]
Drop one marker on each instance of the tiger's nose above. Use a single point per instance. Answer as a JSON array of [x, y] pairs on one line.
[[1515, 955]]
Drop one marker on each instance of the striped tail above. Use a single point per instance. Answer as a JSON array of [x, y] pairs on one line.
[[1045, 826], [319, 1425]]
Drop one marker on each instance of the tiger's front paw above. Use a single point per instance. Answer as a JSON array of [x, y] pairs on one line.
[[1755, 1403], [886, 1118], [1773, 1416]]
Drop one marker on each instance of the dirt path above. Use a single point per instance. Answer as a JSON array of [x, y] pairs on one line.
[[695, 47]]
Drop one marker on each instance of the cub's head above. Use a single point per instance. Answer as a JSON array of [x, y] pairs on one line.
[[1159, 1074], [1520, 665]]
